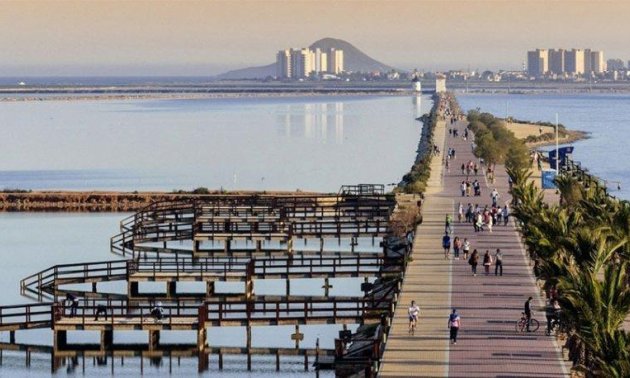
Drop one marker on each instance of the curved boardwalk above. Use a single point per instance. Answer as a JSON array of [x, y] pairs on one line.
[[489, 305]]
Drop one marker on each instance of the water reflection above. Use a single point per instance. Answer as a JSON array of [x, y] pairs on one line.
[[320, 121], [417, 106]]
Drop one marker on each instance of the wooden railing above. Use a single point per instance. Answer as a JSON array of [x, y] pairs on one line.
[[38, 315]]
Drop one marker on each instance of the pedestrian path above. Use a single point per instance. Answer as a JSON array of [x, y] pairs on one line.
[[488, 345]]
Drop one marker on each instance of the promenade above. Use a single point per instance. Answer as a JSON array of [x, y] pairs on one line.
[[489, 306]]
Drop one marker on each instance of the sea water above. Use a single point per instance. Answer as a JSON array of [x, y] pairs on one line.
[[311, 143], [314, 143]]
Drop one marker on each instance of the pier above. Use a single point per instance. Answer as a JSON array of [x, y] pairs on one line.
[[488, 305], [239, 239]]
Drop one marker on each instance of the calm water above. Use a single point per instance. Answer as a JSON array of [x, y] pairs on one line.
[[311, 143], [605, 117], [315, 143]]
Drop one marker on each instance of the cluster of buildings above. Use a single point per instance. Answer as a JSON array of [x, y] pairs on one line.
[[306, 62], [574, 62]]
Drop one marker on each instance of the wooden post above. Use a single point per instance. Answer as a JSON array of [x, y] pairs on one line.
[[249, 347], [154, 339], [133, 289], [107, 339], [60, 339], [171, 289]]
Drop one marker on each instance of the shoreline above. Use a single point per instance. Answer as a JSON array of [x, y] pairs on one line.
[[109, 201], [69, 96]]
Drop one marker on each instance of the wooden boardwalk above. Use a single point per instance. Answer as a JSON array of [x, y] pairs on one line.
[[489, 305]]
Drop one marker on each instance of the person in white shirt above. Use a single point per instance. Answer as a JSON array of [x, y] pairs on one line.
[[414, 311]]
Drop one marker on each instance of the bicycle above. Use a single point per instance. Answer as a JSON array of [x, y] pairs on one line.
[[521, 324]]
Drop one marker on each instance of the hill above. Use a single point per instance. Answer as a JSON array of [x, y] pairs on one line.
[[354, 60]]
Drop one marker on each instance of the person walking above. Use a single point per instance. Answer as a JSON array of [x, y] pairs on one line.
[[498, 264], [448, 221], [466, 248], [474, 261], [446, 244], [454, 322], [528, 312], [413, 311], [460, 212], [505, 213], [462, 187], [487, 261], [495, 197], [457, 245]]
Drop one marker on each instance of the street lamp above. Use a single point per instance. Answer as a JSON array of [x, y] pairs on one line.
[[557, 155]]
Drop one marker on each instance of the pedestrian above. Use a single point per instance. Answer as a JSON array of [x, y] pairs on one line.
[[100, 309], [446, 244], [474, 261], [413, 311], [448, 221], [487, 261], [158, 312], [460, 212], [476, 169], [498, 258], [463, 168], [466, 248], [457, 245], [528, 312], [454, 322], [73, 301], [462, 187], [447, 167], [506, 215], [495, 197], [469, 213]]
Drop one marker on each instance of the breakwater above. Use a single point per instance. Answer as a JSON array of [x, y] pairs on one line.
[[70, 201]]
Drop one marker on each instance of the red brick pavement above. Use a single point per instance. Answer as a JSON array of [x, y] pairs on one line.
[[488, 345]]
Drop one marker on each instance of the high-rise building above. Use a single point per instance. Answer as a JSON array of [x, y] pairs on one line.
[[302, 63], [320, 61], [574, 61], [335, 61], [598, 64], [537, 62], [556, 61], [283, 64], [588, 66]]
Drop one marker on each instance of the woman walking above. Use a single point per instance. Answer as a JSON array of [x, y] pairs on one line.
[[474, 261], [454, 322], [457, 245], [466, 248], [487, 261]]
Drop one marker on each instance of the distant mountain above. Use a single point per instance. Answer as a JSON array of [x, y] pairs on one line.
[[354, 60]]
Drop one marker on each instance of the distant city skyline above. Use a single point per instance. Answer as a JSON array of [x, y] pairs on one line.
[[83, 38]]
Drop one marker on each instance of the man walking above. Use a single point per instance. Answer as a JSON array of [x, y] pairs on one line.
[[413, 311], [454, 322], [498, 264]]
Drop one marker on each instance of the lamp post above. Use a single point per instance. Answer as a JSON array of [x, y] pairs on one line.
[[557, 156]]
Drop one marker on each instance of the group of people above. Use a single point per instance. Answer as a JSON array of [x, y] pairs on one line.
[[487, 262], [470, 168], [453, 324], [467, 188], [72, 301], [485, 217]]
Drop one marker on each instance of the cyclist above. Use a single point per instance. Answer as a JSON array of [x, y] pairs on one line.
[[528, 312], [414, 311]]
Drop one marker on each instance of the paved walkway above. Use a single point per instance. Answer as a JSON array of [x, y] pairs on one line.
[[489, 305]]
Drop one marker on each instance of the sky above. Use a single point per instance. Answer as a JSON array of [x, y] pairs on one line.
[[184, 38]]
